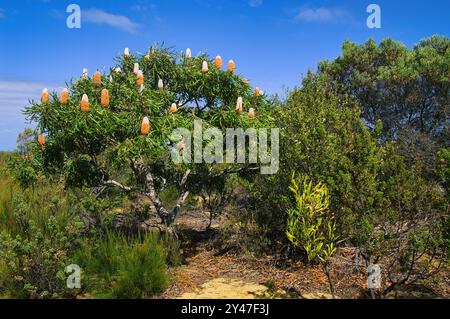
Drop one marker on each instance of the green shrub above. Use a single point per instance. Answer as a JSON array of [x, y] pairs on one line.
[[386, 208], [310, 224], [33, 264], [118, 267]]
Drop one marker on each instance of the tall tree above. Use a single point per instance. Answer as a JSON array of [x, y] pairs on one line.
[[407, 89]]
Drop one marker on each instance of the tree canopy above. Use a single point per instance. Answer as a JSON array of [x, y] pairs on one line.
[[408, 90], [121, 121]]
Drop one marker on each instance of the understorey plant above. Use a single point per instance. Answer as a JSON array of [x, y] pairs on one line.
[[311, 225]]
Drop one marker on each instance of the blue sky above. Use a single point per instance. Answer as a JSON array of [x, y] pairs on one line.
[[273, 42]]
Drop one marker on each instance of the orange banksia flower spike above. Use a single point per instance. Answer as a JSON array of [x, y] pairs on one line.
[[84, 104], [97, 79], [139, 78], [145, 126], [45, 96], [173, 108], [231, 66], [258, 92], [64, 97], [41, 140], [104, 99], [218, 62]]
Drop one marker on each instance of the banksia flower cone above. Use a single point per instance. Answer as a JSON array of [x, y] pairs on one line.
[[85, 73], [97, 79], [139, 78], [188, 54], [136, 68], [145, 126], [84, 104], [218, 62], [231, 66], [251, 113], [64, 97], [173, 108], [160, 84], [41, 140], [104, 100], [258, 92], [239, 105], [45, 96], [126, 52], [205, 66]]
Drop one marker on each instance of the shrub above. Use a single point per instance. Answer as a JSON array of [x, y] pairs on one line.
[[386, 208], [118, 267], [34, 263], [310, 224]]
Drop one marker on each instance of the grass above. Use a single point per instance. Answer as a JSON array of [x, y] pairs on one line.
[[119, 267], [43, 200]]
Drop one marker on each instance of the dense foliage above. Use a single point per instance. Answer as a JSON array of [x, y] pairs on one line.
[[367, 136], [389, 210], [123, 121], [408, 90]]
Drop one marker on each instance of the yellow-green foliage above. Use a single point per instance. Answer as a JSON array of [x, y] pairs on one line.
[[310, 223], [44, 199]]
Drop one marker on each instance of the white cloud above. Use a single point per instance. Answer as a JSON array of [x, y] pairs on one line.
[[255, 3], [102, 17], [142, 7], [322, 15], [14, 96]]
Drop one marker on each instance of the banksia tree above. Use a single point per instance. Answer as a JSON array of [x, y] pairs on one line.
[[125, 125]]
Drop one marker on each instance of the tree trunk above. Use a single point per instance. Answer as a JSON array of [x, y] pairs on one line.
[[326, 270], [145, 176]]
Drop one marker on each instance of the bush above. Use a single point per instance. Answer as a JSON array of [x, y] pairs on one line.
[[41, 234], [323, 137], [310, 225], [118, 267], [37, 236], [386, 208], [33, 264]]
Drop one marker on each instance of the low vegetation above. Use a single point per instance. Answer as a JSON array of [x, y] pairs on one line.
[[364, 166]]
